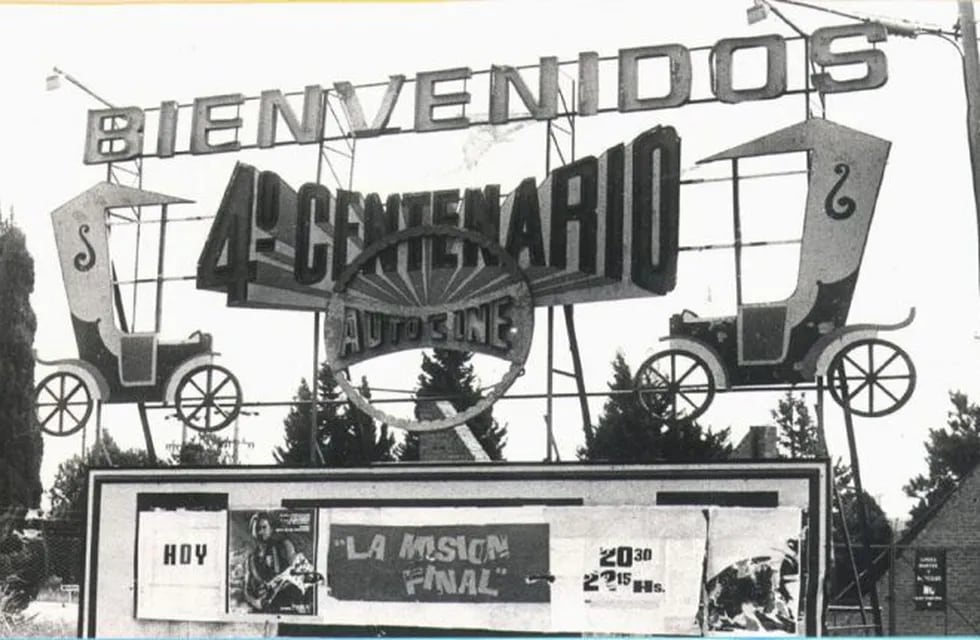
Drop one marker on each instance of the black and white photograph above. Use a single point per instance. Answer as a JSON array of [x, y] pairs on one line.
[[476, 317]]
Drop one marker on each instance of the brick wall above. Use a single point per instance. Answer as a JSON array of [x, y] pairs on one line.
[[443, 446], [456, 444], [759, 443], [956, 528]]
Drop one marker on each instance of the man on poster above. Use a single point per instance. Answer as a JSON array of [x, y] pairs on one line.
[[276, 572]]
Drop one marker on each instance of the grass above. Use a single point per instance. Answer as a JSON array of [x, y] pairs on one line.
[[32, 626]]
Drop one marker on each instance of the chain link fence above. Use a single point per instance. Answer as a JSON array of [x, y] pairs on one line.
[[41, 565]]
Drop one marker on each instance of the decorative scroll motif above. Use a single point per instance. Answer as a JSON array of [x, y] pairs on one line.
[[85, 260], [847, 204]]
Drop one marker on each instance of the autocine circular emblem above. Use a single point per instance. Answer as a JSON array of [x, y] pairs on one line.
[[411, 290]]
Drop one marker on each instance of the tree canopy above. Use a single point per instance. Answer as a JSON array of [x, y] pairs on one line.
[[21, 446], [204, 450], [628, 432], [67, 493], [448, 375], [951, 453], [345, 436]]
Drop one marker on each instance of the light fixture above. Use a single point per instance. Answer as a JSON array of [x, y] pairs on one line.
[[53, 81], [758, 12]]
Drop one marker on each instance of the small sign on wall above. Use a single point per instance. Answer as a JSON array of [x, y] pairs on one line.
[[930, 580]]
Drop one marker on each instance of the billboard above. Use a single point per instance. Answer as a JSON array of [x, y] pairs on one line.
[[525, 548], [119, 133], [598, 228], [461, 267]]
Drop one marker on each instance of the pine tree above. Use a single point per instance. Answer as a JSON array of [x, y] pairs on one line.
[[21, 446], [295, 452], [345, 436], [798, 437], [628, 432], [951, 452], [448, 375]]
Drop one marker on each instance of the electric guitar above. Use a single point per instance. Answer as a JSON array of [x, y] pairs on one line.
[[301, 574]]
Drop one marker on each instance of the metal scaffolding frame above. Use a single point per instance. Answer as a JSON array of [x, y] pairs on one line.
[[560, 143]]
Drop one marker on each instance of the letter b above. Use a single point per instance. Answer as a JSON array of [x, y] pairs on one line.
[[114, 135]]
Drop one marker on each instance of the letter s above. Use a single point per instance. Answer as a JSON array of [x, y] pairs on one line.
[[875, 61]]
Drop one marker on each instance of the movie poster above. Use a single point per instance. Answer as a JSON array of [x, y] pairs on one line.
[[450, 563], [271, 562], [753, 571]]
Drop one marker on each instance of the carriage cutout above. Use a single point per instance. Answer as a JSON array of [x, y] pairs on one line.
[[116, 365], [804, 336]]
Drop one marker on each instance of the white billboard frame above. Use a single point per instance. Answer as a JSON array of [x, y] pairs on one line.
[[111, 540]]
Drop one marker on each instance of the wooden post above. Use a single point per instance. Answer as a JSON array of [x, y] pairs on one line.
[[971, 79], [891, 583]]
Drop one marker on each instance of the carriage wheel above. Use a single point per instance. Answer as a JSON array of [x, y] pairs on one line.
[[871, 377], [62, 404], [674, 385], [208, 398]]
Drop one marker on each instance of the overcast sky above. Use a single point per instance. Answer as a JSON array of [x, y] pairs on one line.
[[921, 250]]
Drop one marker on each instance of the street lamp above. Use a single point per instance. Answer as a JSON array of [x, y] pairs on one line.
[[53, 82]]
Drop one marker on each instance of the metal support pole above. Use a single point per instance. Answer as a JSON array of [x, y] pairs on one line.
[[570, 309], [161, 252], [737, 223], [829, 552], [821, 430], [971, 79], [862, 507], [549, 381], [849, 544], [892, 557], [314, 418], [145, 422], [577, 368], [315, 390], [822, 438], [806, 74], [550, 384], [98, 424], [136, 260]]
